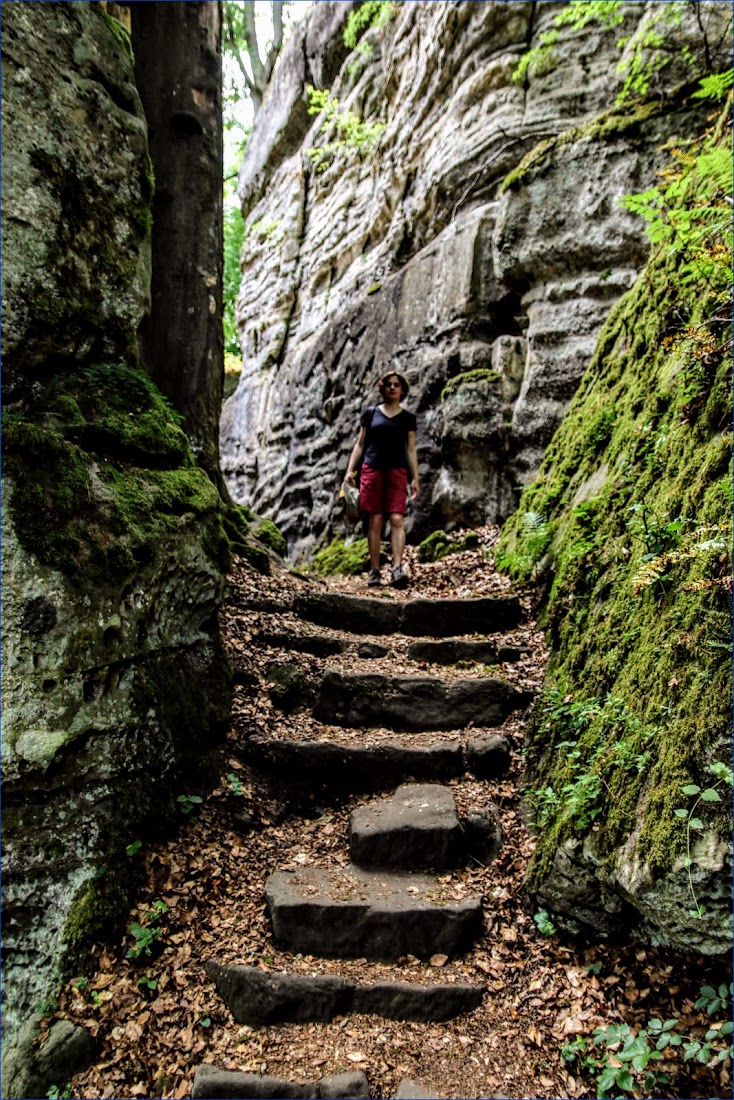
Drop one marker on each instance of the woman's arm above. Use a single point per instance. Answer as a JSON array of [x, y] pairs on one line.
[[413, 464], [357, 451]]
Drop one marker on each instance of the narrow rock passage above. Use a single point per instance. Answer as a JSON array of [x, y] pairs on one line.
[[295, 948]]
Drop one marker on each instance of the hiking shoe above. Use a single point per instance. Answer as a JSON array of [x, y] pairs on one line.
[[374, 580], [400, 578]]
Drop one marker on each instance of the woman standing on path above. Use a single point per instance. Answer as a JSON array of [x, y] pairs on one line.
[[387, 440]]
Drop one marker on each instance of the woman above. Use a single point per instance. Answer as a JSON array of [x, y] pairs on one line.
[[387, 440]]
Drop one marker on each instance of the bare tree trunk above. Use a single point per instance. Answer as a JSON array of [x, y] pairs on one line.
[[178, 71]]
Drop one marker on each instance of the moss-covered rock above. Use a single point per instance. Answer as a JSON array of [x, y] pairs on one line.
[[629, 527], [104, 454], [438, 545], [270, 535], [347, 558]]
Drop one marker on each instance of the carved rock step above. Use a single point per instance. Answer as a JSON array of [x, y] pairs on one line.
[[351, 913], [258, 998], [429, 618], [218, 1084], [414, 703], [451, 651], [346, 766], [417, 829]]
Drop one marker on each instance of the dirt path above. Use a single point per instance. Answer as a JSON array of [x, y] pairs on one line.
[[157, 1019]]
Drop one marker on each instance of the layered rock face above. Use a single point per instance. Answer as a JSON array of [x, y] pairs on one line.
[[113, 546], [409, 254]]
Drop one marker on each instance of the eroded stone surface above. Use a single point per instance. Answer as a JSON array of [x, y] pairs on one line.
[[415, 704], [337, 766], [415, 258], [355, 913], [257, 998], [417, 830]]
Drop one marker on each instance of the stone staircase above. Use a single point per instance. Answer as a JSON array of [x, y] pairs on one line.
[[393, 899]]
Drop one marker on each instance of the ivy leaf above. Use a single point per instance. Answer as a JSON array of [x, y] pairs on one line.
[[691, 788]]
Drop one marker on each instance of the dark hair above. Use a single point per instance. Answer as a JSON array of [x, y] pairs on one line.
[[404, 387]]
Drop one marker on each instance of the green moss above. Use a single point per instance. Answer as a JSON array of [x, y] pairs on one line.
[[349, 559], [610, 125], [629, 525], [254, 554], [103, 477], [98, 912], [119, 32], [479, 374], [267, 533], [438, 545]]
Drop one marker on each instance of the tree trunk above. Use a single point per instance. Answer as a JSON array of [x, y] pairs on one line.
[[178, 72]]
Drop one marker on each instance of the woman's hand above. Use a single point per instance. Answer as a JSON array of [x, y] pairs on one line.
[[414, 489]]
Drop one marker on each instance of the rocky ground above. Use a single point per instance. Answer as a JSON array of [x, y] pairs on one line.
[[157, 1018]]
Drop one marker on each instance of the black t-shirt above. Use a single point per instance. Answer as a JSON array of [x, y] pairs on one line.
[[386, 439]]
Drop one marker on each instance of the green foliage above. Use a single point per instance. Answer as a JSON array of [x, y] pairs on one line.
[[647, 50], [348, 559], [723, 774], [234, 235], [353, 134], [439, 545], [187, 803], [54, 1093], [372, 13], [134, 848], [576, 15], [618, 1058], [146, 932], [634, 510], [598, 747], [235, 785], [148, 983], [533, 538], [544, 924]]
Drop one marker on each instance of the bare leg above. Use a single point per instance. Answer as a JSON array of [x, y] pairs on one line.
[[397, 537], [374, 539]]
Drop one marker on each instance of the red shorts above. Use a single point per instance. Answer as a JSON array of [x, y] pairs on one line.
[[383, 492]]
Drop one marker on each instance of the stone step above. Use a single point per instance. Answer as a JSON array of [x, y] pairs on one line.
[[420, 704], [417, 829], [352, 913], [211, 1083], [429, 618], [451, 651], [346, 766], [257, 998]]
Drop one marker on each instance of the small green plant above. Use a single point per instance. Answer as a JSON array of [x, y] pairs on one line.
[[352, 132], [134, 848], [81, 984], [372, 13], [96, 999], [544, 924], [187, 803], [205, 1021], [145, 934], [148, 983], [54, 1093], [694, 824], [235, 785], [627, 1061]]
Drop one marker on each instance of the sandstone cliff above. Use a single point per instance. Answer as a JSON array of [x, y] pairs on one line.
[[408, 252], [114, 549]]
